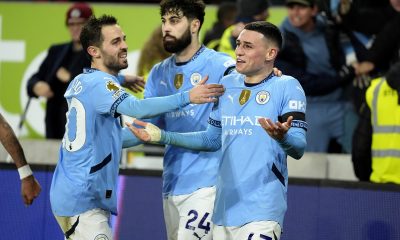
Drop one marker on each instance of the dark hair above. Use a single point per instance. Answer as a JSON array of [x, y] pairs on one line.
[[269, 30], [91, 31], [192, 9]]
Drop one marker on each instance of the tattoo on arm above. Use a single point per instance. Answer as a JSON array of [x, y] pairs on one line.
[[11, 143]]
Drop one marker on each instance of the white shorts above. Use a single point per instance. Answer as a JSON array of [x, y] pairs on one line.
[[263, 230], [188, 217], [90, 225]]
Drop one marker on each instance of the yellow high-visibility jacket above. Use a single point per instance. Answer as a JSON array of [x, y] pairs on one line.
[[385, 120]]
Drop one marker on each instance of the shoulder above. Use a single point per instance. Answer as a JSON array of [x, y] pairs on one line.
[[166, 63], [219, 59], [60, 46], [232, 79]]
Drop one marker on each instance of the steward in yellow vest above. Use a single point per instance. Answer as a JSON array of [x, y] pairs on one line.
[[382, 98]]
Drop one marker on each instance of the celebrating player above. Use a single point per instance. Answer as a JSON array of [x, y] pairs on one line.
[[83, 189], [253, 178]]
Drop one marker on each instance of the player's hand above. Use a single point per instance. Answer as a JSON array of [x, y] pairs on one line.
[[30, 189], [134, 83], [149, 132], [277, 72], [42, 89], [276, 130], [205, 93], [63, 75]]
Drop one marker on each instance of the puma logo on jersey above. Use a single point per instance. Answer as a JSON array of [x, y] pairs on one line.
[[112, 86], [230, 98]]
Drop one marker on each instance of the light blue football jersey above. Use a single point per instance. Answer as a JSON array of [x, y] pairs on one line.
[[253, 175], [87, 171], [185, 171]]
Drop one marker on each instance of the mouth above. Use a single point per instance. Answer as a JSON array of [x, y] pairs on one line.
[[168, 38], [239, 61], [123, 55]]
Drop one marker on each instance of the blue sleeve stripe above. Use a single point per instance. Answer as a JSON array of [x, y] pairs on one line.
[[299, 124], [214, 122], [113, 110]]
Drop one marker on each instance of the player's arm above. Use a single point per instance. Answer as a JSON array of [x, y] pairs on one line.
[[146, 108], [289, 134], [128, 139], [30, 188], [208, 140]]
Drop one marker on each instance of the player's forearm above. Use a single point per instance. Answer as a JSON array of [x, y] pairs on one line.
[[294, 143], [11, 144], [128, 139], [209, 140], [151, 107]]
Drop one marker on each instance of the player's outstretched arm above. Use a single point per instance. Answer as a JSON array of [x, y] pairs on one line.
[[151, 107], [292, 140], [209, 140], [30, 188]]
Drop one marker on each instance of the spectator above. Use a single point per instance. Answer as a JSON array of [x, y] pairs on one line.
[[226, 16], [385, 49], [376, 142], [317, 61], [249, 11], [62, 63], [30, 188]]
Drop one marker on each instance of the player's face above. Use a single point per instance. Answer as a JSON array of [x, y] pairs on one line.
[[301, 16], [114, 49], [75, 27], [176, 32], [251, 51]]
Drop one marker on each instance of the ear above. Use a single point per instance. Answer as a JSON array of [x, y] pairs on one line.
[[271, 54], [93, 51], [195, 26]]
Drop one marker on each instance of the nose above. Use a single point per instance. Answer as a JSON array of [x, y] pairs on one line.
[[165, 28], [238, 50], [124, 45]]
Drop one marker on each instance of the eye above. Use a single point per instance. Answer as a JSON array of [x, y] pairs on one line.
[[247, 46]]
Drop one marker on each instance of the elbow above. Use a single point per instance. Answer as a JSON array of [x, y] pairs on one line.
[[299, 150]]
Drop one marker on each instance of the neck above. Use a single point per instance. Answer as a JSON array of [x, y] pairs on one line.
[[309, 27], [187, 53], [259, 76], [103, 68]]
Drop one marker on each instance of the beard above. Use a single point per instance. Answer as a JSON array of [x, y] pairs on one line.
[[115, 63], [177, 45]]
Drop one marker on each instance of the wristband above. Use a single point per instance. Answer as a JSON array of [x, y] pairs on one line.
[[24, 171]]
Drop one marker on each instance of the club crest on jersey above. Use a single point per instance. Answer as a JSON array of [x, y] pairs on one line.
[[112, 86], [262, 97], [244, 96], [195, 78], [178, 81]]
